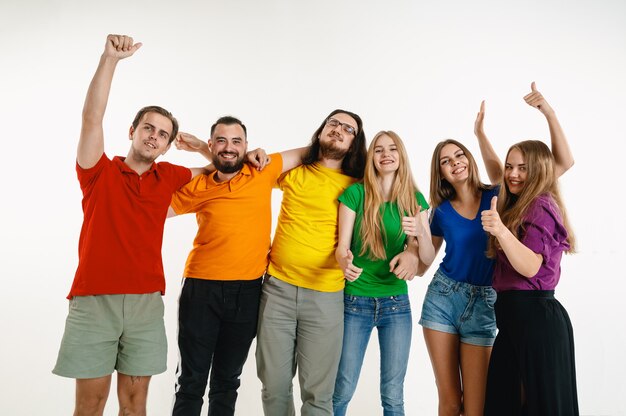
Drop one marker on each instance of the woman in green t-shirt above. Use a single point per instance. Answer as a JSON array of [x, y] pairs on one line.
[[371, 253]]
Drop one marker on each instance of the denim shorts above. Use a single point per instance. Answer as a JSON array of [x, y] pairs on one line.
[[460, 308]]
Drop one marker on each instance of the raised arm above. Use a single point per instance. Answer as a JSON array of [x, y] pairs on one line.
[[493, 164], [91, 142], [560, 147]]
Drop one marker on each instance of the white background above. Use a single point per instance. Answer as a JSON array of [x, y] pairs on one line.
[[418, 68]]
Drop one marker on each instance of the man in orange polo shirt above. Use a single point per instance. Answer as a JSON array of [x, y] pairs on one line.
[[219, 301], [115, 319]]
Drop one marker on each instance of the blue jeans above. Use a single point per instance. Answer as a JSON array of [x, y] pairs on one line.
[[392, 317]]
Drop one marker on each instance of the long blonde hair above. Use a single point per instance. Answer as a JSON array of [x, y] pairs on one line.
[[541, 179], [402, 193], [440, 189]]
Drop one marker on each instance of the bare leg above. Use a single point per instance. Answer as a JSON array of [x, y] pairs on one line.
[[91, 395], [443, 349], [132, 393], [474, 366]]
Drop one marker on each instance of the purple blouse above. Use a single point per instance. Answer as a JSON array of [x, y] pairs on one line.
[[544, 233]]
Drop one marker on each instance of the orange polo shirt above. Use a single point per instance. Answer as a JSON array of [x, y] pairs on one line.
[[119, 251], [234, 222]]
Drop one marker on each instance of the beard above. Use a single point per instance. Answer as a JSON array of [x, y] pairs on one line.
[[329, 150], [228, 166]]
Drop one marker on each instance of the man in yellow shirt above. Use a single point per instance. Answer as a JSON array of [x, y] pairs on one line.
[[219, 300], [301, 310]]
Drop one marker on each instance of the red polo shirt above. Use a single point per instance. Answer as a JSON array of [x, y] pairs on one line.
[[119, 251]]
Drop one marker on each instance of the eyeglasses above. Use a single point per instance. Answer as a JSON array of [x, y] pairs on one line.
[[333, 122]]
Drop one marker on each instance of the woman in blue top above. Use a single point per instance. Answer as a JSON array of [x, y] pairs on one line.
[[458, 318], [370, 251]]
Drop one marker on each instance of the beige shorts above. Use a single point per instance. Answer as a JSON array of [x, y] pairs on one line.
[[104, 333]]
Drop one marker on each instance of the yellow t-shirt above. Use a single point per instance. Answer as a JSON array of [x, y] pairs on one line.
[[234, 222], [303, 250]]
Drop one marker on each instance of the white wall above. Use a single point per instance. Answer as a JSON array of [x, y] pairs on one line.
[[419, 68]]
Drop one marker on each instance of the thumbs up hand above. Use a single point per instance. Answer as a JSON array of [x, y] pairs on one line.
[[535, 99], [350, 271], [490, 219]]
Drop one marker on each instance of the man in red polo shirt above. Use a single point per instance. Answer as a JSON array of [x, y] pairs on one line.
[[115, 319]]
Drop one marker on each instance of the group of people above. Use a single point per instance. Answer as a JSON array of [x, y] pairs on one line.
[[353, 229]]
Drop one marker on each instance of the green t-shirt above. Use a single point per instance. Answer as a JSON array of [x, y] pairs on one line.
[[376, 280]]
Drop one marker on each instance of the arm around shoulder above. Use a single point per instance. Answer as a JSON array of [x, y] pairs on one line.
[[293, 158]]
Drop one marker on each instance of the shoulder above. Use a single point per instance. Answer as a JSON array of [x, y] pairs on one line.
[[168, 168], [543, 210], [275, 168], [421, 200], [353, 194], [357, 187], [491, 191]]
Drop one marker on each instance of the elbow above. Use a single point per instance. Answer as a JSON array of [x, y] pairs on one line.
[[422, 268], [530, 271], [564, 167]]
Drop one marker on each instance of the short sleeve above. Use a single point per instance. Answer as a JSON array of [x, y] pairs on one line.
[[183, 200], [87, 177], [435, 225], [543, 230], [352, 197], [421, 201], [180, 175]]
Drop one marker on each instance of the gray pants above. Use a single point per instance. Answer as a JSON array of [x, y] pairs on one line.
[[298, 328]]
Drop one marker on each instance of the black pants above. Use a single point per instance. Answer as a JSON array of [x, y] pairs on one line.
[[532, 369], [217, 321]]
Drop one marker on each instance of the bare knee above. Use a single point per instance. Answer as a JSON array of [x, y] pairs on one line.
[[89, 406], [132, 393], [91, 396], [450, 404], [449, 408]]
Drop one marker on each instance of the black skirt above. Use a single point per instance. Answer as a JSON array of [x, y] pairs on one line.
[[532, 369]]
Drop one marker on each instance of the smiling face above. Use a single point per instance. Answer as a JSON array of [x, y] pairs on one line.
[[151, 137], [453, 163], [335, 141], [228, 146], [386, 155], [515, 171]]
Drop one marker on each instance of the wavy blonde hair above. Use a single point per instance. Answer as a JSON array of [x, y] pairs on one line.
[[402, 193], [541, 179]]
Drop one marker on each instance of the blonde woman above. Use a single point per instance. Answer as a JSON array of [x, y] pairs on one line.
[[371, 253], [532, 369]]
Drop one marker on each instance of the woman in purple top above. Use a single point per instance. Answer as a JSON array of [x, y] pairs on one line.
[[531, 371]]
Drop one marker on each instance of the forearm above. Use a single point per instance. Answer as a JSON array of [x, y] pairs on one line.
[[563, 157], [426, 250], [492, 162], [525, 261], [99, 89]]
